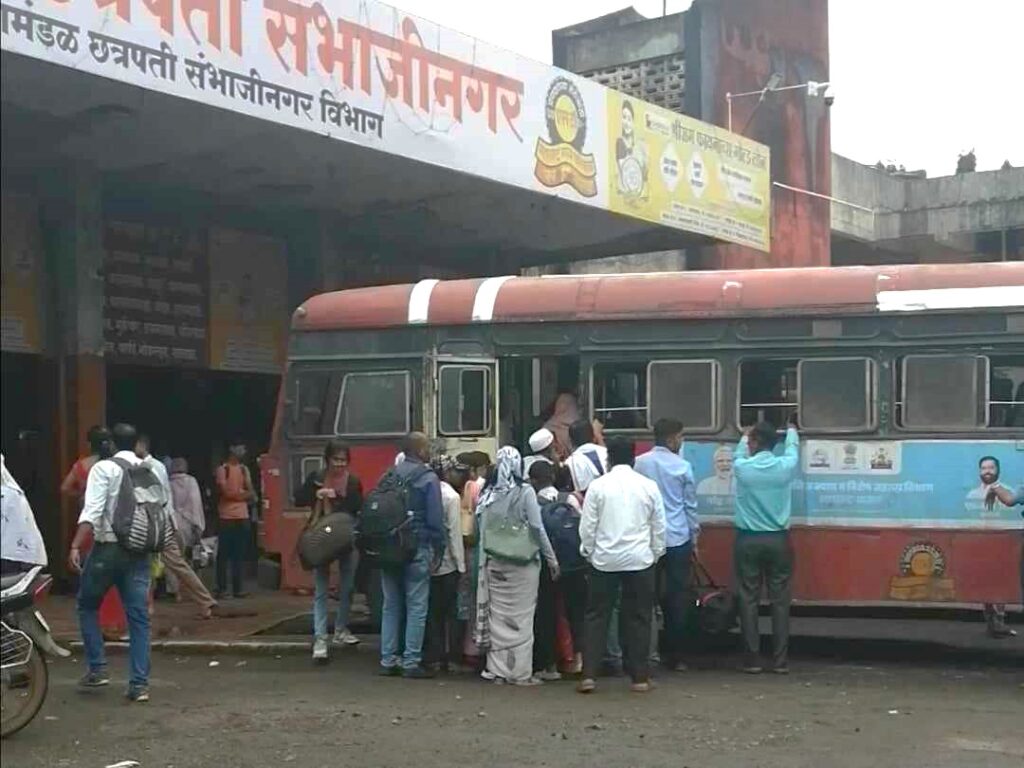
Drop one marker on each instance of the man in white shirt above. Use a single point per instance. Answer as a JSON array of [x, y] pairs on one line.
[[444, 635], [111, 565], [588, 461], [622, 535]]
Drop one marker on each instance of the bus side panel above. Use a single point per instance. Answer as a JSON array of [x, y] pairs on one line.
[[368, 463], [859, 565]]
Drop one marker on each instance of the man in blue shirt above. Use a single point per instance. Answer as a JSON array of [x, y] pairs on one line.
[[407, 588], [764, 490], [674, 477]]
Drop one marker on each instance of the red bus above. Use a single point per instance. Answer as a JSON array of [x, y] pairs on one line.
[[902, 378]]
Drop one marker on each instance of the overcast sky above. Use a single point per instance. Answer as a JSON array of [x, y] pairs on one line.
[[916, 81]]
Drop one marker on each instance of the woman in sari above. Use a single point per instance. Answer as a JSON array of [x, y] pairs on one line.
[[506, 596]]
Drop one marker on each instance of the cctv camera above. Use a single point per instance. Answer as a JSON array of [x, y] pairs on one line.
[[829, 100]]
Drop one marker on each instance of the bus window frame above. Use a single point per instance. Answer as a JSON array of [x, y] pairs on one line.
[[900, 395], [294, 396], [739, 388], [369, 435], [716, 405], [489, 399], [716, 400], [871, 395]]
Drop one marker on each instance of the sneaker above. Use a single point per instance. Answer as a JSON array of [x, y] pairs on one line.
[[320, 649], [752, 669], [781, 669], [389, 671], [586, 685], [549, 675], [677, 666], [138, 693], [97, 679], [641, 687], [344, 637], [418, 673]]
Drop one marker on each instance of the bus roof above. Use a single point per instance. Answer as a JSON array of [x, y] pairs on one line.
[[670, 295]]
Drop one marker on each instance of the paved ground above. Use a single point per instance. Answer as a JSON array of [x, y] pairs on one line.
[[912, 709]]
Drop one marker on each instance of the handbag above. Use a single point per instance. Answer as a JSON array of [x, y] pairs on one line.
[[327, 537], [509, 540]]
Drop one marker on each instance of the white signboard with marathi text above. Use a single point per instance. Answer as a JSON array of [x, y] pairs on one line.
[[355, 70]]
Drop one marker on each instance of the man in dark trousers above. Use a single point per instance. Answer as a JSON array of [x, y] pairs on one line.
[[622, 536], [674, 477], [762, 554]]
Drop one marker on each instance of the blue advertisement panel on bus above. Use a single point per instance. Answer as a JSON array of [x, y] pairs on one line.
[[876, 483]]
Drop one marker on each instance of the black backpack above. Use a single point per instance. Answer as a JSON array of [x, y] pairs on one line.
[[140, 521], [562, 524], [384, 533]]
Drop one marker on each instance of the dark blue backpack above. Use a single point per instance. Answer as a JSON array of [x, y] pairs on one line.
[[562, 524]]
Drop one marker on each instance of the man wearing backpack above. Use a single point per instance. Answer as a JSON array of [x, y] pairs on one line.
[[126, 528], [560, 512], [405, 579]]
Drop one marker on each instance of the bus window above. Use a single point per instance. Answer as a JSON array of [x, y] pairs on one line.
[[313, 399], [374, 404], [686, 390], [1006, 391], [464, 400], [942, 392], [302, 466], [620, 395], [836, 393], [768, 391]]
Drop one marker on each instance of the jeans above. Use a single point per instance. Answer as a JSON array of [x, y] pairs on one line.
[[232, 547], [111, 565], [347, 565], [637, 590], [406, 596], [676, 600], [768, 558]]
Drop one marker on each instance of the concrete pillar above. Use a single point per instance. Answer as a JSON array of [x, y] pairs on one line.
[[73, 223]]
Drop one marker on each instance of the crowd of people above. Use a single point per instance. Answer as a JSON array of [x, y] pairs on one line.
[[569, 554], [521, 568]]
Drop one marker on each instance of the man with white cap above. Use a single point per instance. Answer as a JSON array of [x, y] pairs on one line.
[[542, 448]]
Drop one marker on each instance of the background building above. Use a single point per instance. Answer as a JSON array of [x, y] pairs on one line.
[[689, 61]]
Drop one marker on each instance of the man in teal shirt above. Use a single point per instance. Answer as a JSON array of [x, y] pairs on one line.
[[764, 496]]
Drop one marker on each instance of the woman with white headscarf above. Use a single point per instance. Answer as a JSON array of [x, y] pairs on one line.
[[508, 582]]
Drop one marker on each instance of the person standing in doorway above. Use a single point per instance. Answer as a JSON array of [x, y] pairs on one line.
[[235, 492], [674, 477], [327, 491], [111, 565], [406, 587], [763, 553], [177, 570], [622, 535]]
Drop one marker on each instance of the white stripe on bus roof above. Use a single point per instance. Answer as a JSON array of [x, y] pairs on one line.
[[951, 298], [486, 296], [419, 301]]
